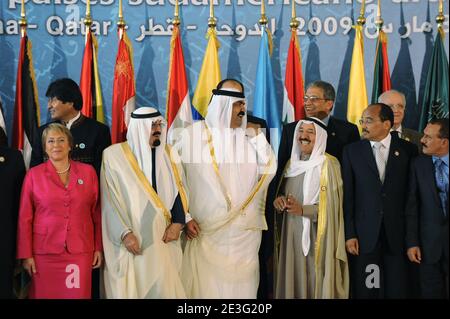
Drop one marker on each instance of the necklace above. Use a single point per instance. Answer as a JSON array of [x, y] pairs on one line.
[[64, 171]]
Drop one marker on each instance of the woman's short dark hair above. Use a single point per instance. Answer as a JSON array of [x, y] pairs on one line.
[[66, 90]]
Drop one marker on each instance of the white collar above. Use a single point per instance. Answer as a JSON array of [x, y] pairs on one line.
[[69, 124], [386, 141], [400, 129]]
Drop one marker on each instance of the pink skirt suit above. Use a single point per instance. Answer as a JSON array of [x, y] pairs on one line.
[[60, 227]]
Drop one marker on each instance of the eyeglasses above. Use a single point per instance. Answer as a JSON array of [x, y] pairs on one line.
[[313, 99], [368, 121]]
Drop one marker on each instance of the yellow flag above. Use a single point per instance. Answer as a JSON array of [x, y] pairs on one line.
[[209, 74], [357, 92]]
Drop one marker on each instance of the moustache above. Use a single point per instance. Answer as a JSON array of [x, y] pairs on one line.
[[365, 131], [305, 140], [156, 134], [241, 113]]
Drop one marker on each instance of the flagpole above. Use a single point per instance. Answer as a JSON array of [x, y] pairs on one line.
[[23, 19], [88, 19], [263, 20], [362, 19], [294, 22], [176, 16], [440, 18], [121, 24], [212, 21], [379, 20]]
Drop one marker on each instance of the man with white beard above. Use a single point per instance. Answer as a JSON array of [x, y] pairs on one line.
[[228, 170]]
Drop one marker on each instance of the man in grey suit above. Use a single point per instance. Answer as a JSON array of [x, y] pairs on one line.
[[397, 102]]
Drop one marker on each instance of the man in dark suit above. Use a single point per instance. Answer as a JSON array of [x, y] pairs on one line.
[[319, 100], [427, 235], [397, 102], [375, 175], [89, 136], [12, 172]]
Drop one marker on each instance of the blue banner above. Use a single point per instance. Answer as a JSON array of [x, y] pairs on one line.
[[326, 38]]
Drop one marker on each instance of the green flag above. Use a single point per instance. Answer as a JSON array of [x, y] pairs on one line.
[[435, 98]]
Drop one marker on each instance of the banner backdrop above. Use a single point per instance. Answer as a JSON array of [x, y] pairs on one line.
[[325, 34]]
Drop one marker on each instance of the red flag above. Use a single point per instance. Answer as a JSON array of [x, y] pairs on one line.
[[178, 108], [124, 90], [381, 76], [90, 81], [293, 109], [26, 109]]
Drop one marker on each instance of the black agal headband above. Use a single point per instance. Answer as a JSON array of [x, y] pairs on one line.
[[228, 93], [145, 116], [316, 121]]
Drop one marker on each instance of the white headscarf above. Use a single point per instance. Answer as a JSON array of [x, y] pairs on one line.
[[312, 169], [138, 138], [218, 120]]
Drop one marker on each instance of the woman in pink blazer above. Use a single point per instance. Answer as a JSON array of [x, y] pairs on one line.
[[59, 228]]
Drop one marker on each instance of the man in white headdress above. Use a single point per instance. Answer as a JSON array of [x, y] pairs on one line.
[[312, 262], [143, 212], [228, 170]]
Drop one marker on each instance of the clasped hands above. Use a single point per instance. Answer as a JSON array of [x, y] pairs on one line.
[[171, 233], [288, 204]]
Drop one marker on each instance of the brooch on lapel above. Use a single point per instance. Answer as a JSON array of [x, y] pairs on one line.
[[82, 146], [333, 133], [80, 181], [396, 153], [2, 159]]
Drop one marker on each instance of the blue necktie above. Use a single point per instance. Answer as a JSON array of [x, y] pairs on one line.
[[442, 182]]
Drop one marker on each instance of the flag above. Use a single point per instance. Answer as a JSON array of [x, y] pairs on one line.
[[293, 109], [265, 98], [357, 93], [26, 108], [178, 107], [381, 74], [124, 89], [209, 76], [90, 81], [435, 98]]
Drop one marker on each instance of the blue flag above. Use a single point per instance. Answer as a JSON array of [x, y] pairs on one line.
[[265, 100]]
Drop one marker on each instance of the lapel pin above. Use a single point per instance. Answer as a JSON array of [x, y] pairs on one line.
[[80, 181], [82, 146], [396, 153], [2, 159], [333, 133]]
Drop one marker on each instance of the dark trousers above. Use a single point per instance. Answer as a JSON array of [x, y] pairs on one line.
[[434, 279], [380, 273]]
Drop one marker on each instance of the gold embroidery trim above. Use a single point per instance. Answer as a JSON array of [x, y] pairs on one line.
[[216, 168], [148, 188], [176, 174]]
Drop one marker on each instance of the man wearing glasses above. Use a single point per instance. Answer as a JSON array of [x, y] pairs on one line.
[[318, 102], [375, 172], [397, 102]]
